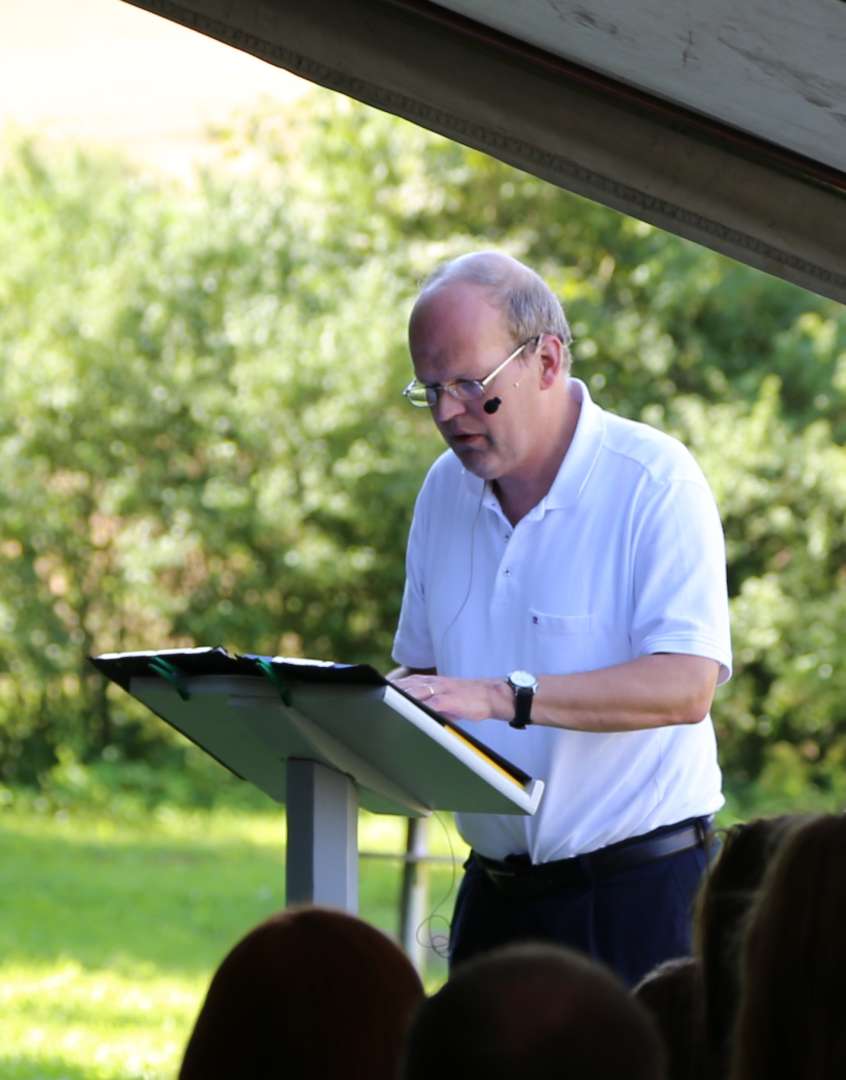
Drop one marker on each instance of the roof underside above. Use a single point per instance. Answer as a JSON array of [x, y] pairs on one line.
[[775, 69], [723, 123]]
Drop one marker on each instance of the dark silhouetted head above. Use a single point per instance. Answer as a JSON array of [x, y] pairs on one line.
[[727, 892], [533, 1011], [310, 992], [790, 1021], [672, 994]]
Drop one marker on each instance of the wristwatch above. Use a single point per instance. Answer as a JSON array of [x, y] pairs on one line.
[[525, 687]]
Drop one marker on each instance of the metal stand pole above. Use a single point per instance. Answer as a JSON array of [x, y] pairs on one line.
[[413, 901], [321, 862]]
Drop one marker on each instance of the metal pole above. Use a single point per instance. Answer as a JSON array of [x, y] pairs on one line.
[[321, 861], [415, 889]]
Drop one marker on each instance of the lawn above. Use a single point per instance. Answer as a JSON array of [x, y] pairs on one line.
[[113, 920], [110, 928]]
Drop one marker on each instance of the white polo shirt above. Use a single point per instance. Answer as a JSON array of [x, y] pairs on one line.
[[623, 557]]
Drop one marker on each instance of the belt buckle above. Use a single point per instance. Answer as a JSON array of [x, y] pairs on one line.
[[703, 830]]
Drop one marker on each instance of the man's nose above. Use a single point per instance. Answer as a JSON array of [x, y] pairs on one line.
[[447, 407]]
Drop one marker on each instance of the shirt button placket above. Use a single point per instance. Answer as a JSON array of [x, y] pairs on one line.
[[509, 533]]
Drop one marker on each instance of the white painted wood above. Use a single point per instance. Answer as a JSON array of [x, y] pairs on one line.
[[773, 68], [759, 205]]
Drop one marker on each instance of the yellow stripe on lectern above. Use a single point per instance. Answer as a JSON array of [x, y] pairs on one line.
[[483, 756]]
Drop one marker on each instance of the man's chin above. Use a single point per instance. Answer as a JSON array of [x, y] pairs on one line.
[[477, 460]]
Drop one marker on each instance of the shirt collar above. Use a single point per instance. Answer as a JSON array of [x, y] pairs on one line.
[[575, 469]]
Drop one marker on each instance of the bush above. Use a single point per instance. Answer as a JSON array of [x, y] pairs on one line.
[[202, 439]]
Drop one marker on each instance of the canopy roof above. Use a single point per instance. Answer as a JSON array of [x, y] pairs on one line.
[[724, 123]]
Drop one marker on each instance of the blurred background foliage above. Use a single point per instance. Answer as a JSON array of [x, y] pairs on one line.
[[202, 439]]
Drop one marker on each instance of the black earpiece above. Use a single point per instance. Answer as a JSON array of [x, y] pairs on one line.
[[491, 406]]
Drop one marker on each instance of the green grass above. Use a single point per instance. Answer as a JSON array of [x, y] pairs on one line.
[[110, 929], [112, 922]]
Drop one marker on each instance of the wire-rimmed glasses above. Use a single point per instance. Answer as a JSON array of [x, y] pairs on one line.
[[425, 395]]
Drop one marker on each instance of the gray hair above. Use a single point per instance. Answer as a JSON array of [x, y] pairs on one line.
[[529, 305]]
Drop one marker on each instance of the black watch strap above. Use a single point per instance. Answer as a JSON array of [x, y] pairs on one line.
[[522, 707]]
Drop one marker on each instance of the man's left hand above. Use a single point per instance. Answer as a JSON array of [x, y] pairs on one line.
[[459, 699]]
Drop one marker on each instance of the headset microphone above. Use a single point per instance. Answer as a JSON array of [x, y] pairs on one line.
[[491, 406]]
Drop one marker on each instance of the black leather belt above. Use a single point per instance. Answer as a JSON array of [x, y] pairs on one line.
[[517, 876]]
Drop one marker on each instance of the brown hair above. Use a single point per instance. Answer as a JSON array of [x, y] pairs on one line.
[[310, 992], [672, 994], [727, 892], [533, 1010], [790, 1021]]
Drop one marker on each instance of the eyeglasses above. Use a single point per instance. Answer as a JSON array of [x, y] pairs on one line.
[[423, 395]]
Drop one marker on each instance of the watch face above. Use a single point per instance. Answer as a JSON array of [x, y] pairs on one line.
[[522, 680]]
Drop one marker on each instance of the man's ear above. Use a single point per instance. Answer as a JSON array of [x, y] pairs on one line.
[[551, 351]]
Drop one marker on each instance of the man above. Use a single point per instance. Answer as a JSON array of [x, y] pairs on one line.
[[565, 573], [531, 1011]]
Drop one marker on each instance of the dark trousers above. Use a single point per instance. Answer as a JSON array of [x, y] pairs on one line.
[[631, 920]]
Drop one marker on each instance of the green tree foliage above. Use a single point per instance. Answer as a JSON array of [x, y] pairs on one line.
[[201, 436], [202, 439]]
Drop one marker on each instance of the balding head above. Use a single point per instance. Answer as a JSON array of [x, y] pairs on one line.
[[533, 1010], [525, 300]]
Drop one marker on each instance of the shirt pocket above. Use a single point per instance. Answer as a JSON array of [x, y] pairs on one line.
[[562, 644], [546, 623]]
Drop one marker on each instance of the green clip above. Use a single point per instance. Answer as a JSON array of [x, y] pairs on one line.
[[267, 668], [172, 674]]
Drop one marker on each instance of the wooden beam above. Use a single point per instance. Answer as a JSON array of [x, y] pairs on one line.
[[756, 202]]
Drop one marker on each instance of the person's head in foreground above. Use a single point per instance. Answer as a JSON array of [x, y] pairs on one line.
[[533, 1010], [672, 994], [791, 1019], [728, 891], [309, 993]]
